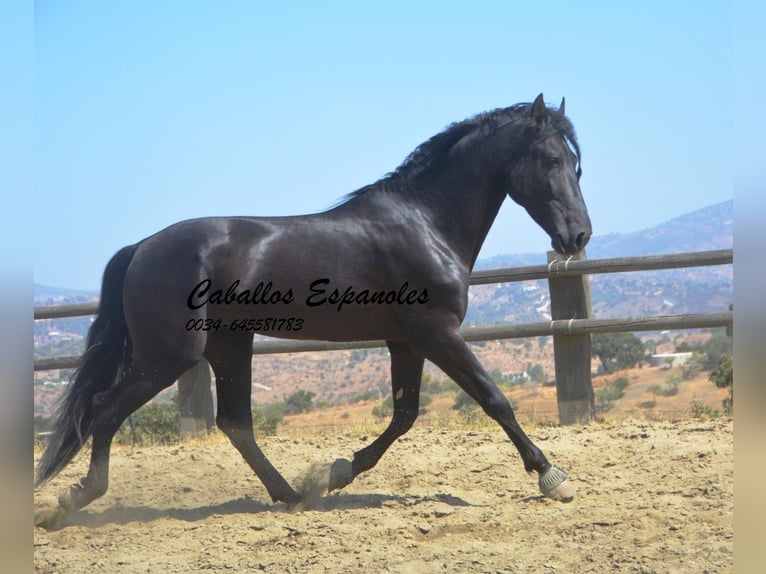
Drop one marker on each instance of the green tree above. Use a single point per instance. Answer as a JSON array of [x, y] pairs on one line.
[[723, 377], [714, 348], [617, 350], [300, 401], [536, 372]]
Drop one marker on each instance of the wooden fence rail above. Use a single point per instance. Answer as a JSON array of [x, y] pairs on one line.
[[559, 268], [571, 326], [471, 334]]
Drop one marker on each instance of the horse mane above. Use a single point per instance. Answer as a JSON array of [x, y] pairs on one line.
[[432, 153]]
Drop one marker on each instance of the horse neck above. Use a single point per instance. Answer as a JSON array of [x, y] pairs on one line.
[[461, 207]]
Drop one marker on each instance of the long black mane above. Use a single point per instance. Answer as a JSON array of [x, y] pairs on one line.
[[431, 154]]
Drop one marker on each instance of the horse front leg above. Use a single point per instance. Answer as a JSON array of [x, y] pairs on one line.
[[450, 352], [406, 374]]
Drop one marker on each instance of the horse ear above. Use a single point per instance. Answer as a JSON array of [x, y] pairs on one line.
[[538, 107], [561, 107]]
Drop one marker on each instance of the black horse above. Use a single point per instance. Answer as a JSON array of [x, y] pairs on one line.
[[390, 262]]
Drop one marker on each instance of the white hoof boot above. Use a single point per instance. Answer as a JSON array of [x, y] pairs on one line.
[[554, 484]]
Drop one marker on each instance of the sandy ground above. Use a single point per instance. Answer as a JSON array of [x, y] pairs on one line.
[[652, 497]]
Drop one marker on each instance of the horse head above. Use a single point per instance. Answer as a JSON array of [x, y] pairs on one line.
[[544, 177]]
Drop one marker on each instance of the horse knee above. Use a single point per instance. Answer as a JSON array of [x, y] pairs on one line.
[[497, 406], [224, 425], [234, 430]]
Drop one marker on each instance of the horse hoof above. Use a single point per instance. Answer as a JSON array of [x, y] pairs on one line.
[[554, 484], [341, 474], [49, 518]]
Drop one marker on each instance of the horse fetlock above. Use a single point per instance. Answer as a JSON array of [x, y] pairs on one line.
[[289, 497], [81, 494], [279, 490], [71, 499]]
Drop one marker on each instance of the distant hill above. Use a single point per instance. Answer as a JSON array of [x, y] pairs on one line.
[[56, 337], [47, 295], [705, 229], [708, 228]]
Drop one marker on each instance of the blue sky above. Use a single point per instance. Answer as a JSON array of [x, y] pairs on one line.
[[147, 113]]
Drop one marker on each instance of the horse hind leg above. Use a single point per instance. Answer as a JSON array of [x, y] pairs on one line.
[[406, 374], [230, 358], [110, 409]]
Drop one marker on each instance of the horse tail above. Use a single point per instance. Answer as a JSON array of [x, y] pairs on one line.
[[107, 355]]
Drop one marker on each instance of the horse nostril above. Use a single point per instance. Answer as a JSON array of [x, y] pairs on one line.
[[580, 240]]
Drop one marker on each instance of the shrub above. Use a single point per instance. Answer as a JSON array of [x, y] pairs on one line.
[[621, 383], [609, 393], [702, 411], [616, 390], [723, 377], [385, 409], [154, 423], [362, 396], [43, 424], [429, 384], [464, 402], [671, 385], [266, 418], [655, 390]]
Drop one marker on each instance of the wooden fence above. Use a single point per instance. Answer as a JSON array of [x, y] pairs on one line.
[[571, 327]]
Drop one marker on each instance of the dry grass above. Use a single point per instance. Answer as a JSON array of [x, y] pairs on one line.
[[696, 399]]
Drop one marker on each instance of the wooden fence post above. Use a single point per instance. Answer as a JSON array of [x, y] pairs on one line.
[[570, 299], [195, 401]]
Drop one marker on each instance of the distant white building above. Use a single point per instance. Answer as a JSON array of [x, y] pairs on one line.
[[668, 360]]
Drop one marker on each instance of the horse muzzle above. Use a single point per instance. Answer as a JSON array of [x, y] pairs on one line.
[[569, 243]]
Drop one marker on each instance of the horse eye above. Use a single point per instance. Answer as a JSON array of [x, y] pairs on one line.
[[552, 162]]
